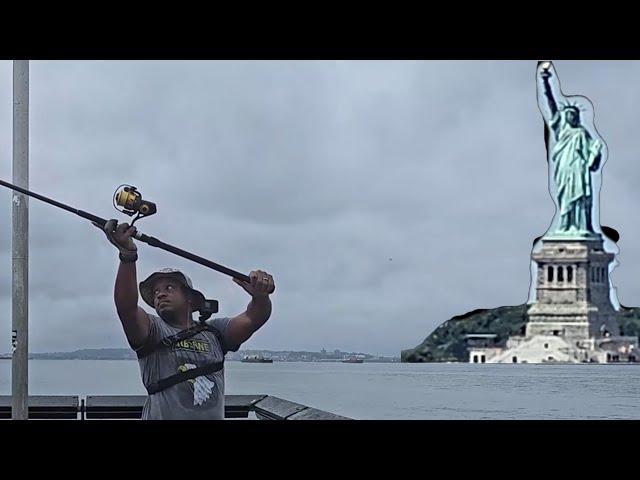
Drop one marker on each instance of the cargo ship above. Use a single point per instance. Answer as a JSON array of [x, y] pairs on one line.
[[352, 360], [256, 359]]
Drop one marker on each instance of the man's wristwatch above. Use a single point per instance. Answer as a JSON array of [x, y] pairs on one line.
[[129, 258]]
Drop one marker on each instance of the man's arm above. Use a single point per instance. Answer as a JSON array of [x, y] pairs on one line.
[[242, 326], [135, 321]]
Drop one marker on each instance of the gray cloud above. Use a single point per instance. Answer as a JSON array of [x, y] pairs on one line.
[[385, 197]]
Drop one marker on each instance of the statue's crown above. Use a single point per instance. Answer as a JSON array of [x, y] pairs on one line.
[[571, 106]]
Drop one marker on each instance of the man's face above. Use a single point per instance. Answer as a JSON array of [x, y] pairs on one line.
[[169, 298]]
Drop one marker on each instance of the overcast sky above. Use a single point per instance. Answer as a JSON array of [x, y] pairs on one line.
[[384, 197]]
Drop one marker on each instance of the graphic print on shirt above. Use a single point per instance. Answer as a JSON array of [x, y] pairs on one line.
[[202, 386], [193, 345]]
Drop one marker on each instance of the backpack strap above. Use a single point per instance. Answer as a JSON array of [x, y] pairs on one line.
[[180, 377], [170, 340]]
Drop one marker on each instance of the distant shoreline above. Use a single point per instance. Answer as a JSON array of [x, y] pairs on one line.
[[227, 360], [278, 356]]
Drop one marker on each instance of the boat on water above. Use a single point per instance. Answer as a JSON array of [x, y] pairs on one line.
[[352, 360], [256, 359]]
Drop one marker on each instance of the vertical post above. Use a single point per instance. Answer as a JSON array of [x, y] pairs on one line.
[[20, 244]]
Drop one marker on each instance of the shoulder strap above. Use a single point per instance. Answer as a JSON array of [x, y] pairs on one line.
[[170, 340], [180, 377]]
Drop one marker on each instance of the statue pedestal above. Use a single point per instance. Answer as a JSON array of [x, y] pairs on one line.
[[572, 290], [573, 236]]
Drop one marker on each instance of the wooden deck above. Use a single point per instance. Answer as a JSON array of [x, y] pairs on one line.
[[264, 407]]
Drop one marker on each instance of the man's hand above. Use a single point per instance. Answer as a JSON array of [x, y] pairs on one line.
[[261, 285], [242, 326], [120, 236]]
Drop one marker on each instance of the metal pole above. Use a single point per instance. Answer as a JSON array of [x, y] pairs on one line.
[[20, 244]]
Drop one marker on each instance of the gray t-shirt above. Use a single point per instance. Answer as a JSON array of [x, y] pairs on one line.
[[201, 398]]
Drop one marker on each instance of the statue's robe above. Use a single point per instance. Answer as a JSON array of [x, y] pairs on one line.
[[572, 157]]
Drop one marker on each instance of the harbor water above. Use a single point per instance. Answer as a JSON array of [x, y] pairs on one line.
[[384, 390]]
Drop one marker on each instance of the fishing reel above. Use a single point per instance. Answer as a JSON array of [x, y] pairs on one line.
[[128, 200]]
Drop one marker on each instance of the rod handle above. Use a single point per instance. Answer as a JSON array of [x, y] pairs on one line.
[[154, 242]]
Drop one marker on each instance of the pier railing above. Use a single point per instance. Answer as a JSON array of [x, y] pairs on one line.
[[109, 407]]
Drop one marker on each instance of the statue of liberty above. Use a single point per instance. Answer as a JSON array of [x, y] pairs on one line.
[[574, 155]]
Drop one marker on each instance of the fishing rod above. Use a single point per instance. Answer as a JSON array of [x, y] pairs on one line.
[[130, 201]]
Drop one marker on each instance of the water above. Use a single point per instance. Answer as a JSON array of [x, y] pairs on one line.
[[384, 391]]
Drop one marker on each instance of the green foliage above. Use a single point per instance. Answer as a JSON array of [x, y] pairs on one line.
[[629, 321], [446, 343]]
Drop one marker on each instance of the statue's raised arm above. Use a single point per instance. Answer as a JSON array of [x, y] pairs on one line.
[[545, 73]]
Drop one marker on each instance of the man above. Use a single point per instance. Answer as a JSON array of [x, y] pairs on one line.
[[181, 361]]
